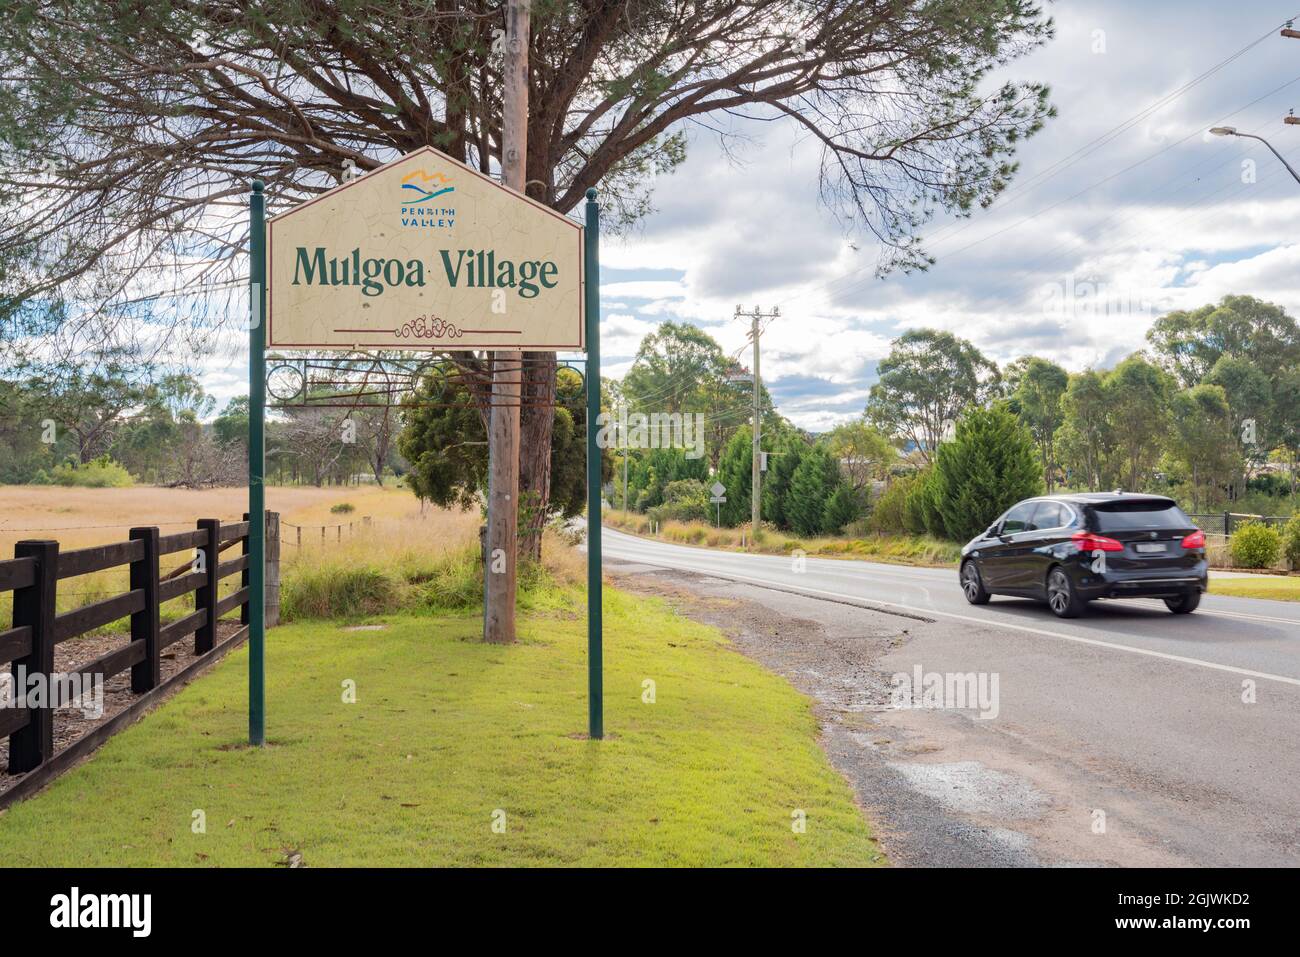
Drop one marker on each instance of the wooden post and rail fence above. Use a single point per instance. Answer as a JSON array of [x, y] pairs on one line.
[[28, 646], [352, 527]]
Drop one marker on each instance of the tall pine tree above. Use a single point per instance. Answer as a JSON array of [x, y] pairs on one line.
[[813, 484], [989, 466]]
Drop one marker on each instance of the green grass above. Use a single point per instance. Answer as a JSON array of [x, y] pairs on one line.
[[445, 731], [1276, 587]]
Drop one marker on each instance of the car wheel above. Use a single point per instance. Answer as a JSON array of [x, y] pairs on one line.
[[973, 585], [1061, 596], [1185, 603]]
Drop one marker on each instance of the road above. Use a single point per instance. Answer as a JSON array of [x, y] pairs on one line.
[[1129, 736]]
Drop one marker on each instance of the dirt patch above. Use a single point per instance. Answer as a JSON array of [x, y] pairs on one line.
[[836, 670], [70, 724]]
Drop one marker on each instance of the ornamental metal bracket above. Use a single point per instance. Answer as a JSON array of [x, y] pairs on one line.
[[365, 380]]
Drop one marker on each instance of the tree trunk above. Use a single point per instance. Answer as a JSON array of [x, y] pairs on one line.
[[537, 419]]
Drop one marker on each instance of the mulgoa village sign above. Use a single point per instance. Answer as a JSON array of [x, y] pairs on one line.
[[423, 253]]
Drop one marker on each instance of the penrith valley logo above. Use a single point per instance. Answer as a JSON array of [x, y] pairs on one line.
[[421, 208]]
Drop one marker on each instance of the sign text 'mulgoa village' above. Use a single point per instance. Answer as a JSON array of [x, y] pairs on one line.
[[470, 268]]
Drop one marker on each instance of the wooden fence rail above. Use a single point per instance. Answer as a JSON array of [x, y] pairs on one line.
[[36, 569]]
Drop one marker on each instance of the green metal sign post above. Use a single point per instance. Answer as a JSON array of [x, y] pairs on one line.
[[595, 660], [256, 468]]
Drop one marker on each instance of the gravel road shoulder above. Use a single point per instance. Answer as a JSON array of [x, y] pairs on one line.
[[941, 788]]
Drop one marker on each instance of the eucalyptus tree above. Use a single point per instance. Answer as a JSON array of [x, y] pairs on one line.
[[925, 383], [1037, 400]]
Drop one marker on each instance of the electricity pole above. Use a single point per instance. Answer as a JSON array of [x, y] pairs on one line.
[[499, 573], [1291, 119], [756, 481]]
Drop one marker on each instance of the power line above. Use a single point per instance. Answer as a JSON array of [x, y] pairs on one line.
[[1026, 219], [1104, 139], [1078, 242]]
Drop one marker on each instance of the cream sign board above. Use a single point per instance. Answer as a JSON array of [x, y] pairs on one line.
[[424, 253]]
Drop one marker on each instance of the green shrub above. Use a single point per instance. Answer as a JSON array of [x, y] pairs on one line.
[[1291, 541], [842, 508], [102, 472], [914, 504], [1255, 545], [812, 486], [922, 513], [989, 466], [457, 581], [342, 508], [685, 500], [41, 477], [887, 516], [341, 587], [334, 589]]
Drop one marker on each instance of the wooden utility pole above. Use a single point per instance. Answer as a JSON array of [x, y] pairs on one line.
[[1291, 119], [756, 480], [500, 575]]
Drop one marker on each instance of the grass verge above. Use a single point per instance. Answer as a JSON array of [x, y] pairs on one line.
[[376, 572], [445, 733], [1276, 587]]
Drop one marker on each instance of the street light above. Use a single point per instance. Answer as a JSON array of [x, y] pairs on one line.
[[1232, 131]]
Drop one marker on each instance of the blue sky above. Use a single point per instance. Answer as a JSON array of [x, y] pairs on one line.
[[1073, 263]]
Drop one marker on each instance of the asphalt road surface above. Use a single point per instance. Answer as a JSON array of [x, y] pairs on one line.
[[1128, 737]]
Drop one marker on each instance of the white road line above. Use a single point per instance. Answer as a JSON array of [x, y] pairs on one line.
[[1042, 632], [1242, 614]]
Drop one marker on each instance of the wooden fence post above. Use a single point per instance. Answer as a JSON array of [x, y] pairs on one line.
[[205, 596], [272, 579], [146, 674], [272, 569], [34, 606], [243, 578]]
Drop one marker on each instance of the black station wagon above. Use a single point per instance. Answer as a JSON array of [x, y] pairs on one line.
[[1070, 549]]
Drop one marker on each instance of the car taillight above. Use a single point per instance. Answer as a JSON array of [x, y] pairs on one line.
[[1195, 540], [1089, 542]]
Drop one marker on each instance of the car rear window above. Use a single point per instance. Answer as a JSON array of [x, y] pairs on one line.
[[1122, 516]]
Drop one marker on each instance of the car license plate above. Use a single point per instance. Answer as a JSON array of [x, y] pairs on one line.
[[1150, 548]]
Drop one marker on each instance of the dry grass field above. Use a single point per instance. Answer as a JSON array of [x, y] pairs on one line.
[[80, 517]]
